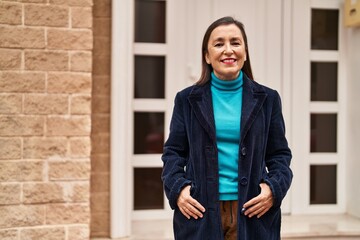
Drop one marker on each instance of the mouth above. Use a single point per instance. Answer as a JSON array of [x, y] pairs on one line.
[[228, 60]]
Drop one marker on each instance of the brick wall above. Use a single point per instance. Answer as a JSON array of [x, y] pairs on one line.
[[100, 136], [45, 119]]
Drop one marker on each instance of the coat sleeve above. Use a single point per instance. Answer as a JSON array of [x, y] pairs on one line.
[[278, 155], [175, 155]]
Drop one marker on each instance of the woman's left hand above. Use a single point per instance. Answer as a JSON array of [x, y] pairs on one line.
[[260, 204]]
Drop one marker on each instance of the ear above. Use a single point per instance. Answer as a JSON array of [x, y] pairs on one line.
[[207, 59]]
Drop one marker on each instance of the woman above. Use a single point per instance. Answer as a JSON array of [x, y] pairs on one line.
[[226, 161]]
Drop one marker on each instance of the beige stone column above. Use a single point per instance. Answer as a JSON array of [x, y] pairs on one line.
[[45, 119]]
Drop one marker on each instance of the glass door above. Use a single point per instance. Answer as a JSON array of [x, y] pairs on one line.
[[148, 68], [318, 108], [148, 106], [159, 71]]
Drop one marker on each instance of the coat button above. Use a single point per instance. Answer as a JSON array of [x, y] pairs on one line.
[[243, 151], [244, 181]]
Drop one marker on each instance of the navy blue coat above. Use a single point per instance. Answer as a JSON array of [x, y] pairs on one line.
[[190, 158]]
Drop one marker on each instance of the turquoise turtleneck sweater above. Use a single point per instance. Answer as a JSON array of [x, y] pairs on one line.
[[227, 104]]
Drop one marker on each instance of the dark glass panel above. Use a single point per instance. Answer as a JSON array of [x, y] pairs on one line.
[[149, 77], [323, 184], [324, 81], [323, 133], [324, 29], [148, 189], [150, 18], [148, 132]]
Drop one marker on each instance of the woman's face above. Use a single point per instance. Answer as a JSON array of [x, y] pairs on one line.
[[226, 51]]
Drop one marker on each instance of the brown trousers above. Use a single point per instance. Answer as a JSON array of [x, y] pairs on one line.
[[229, 219]]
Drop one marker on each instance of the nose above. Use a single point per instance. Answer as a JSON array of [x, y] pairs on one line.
[[228, 49]]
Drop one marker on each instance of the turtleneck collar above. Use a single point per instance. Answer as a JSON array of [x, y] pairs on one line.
[[230, 85]]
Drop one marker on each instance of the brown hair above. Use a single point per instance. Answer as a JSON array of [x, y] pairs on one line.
[[206, 68]]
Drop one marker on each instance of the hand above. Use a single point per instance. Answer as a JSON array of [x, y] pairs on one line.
[[260, 204], [188, 206]]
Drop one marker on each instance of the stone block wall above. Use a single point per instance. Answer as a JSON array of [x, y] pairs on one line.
[[45, 119], [100, 136]]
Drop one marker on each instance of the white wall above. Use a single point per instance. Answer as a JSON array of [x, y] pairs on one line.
[[353, 126]]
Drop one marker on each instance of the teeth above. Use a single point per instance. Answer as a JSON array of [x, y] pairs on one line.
[[229, 60]]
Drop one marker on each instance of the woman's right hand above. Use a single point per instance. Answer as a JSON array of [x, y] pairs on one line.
[[188, 206]]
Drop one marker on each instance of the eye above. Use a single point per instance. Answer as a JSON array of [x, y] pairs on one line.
[[218, 44], [236, 43]]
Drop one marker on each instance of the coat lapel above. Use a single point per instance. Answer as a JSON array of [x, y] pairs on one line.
[[201, 102], [253, 99]]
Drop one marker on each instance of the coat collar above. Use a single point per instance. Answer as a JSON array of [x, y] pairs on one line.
[[200, 99]]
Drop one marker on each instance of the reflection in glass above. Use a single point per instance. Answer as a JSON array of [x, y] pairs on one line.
[[323, 133], [148, 190], [323, 184], [148, 132], [150, 17], [324, 81], [324, 29], [149, 77]]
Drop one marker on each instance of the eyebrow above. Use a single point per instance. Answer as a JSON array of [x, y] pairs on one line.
[[222, 39]]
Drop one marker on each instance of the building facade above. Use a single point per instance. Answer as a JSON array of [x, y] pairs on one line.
[[86, 95], [300, 48]]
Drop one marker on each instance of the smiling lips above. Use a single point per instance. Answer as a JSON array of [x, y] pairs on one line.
[[228, 60]]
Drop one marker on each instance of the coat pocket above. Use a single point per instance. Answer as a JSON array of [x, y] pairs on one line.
[[271, 218], [193, 190]]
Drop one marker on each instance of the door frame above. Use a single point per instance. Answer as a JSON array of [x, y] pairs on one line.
[[123, 105], [121, 72]]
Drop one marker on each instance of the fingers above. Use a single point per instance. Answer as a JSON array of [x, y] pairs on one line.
[[260, 204], [182, 210], [191, 211], [188, 206], [257, 210], [252, 202], [196, 204]]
